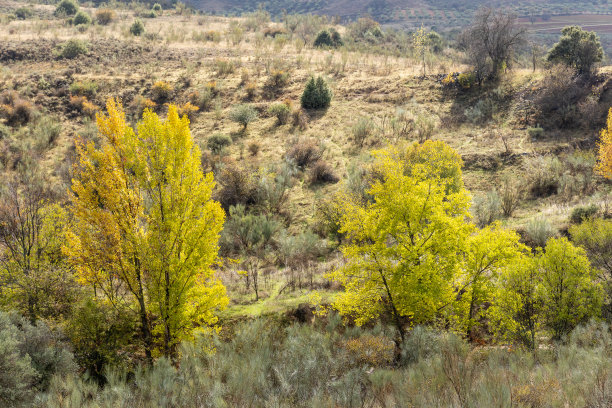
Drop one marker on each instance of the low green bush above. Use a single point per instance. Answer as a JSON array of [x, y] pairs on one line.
[[81, 18], [73, 48], [137, 28]]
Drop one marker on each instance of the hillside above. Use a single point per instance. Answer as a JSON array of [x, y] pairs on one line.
[[368, 88], [442, 14], [207, 210]]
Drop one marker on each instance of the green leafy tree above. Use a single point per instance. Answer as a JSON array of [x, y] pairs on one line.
[[403, 249], [488, 252], [595, 236], [145, 227], [571, 293], [517, 312], [317, 94], [577, 48]]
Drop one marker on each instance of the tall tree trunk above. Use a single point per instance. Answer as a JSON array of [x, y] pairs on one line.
[[396, 315], [144, 317]]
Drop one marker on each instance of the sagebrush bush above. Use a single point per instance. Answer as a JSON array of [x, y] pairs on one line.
[[202, 98], [275, 83], [140, 103], [305, 366], [317, 94], [539, 230], [188, 109], [254, 148], [237, 186], [73, 48], [243, 114], [362, 129], [224, 67], [511, 195], [544, 173], [487, 208], [17, 113], [218, 142], [480, 112], [30, 355], [281, 111]]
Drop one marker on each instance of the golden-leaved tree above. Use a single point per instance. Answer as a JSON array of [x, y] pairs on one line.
[[145, 228], [404, 247], [604, 165]]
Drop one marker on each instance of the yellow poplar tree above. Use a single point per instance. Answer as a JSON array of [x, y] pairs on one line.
[[604, 167], [145, 228], [404, 247]]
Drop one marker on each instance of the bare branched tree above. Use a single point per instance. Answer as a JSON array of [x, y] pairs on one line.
[[490, 42]]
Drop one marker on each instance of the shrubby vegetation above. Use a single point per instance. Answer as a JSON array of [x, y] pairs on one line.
[[291, 265]]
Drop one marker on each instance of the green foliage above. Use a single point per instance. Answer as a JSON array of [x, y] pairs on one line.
[[518, 308], [100, 335], [595, 236], [407, 265], [81, 18], [466, 79], [583, 213], [30, 355], [577, 48], [281, 110], [157, 8], [436, 161], [23, 13], [328, 38], [66, 8], [137, 28], [317, 94], [84, 88], [535, 132], [218, 142], [243, 114], [489, 251], [73, 48], [570, 290]]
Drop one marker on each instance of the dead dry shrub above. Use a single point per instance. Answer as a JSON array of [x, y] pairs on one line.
[[304, 153], [321, 172]]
